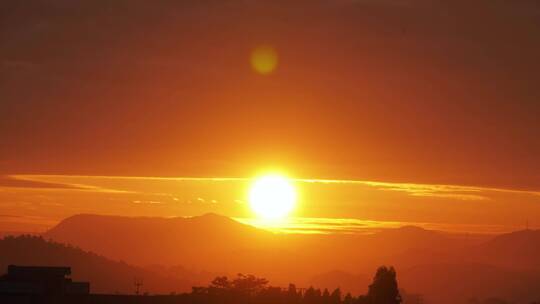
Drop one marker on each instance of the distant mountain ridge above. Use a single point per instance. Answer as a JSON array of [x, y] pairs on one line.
[[515, 250], [221, 245], [142, 240], [458, 282]]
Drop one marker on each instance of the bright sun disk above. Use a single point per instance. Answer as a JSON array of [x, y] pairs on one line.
[[272, 197]]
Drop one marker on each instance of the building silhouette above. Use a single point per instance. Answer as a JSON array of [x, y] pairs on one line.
[[41, 281]]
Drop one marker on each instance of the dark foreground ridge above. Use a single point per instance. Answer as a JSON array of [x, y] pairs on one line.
[[41, 280], [50, 285]]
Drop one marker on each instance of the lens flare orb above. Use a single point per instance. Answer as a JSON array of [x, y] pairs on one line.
[[264, 60]]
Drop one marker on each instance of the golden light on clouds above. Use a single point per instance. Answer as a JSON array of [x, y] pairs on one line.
[[34, 202], [272, 197], [264, 60]]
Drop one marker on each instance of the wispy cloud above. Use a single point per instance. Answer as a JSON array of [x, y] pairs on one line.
[[307, 225], [43, 182], [17, 182], [44, 194], [148, 202], [441, 191], [459, 192], [88, 183]]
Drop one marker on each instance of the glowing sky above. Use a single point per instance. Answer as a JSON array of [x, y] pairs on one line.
[[437, 101], [409, 91], [37, 202]]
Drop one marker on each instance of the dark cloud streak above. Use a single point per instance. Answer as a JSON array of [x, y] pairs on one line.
[[8, 181]]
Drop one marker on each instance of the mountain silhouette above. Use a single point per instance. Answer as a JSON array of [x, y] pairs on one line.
[[515, 250], [221, 245], [411, 237], [105, 275], [458, 282], [208, 242], [448, 283]]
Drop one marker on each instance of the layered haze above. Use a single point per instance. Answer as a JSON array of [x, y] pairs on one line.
[[444, 268]]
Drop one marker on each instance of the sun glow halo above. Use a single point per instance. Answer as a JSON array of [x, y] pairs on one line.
[[272, 197]]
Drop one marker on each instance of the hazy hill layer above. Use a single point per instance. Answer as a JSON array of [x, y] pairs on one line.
[[220, 244], [105, 275], [438, 265], [516, 250]]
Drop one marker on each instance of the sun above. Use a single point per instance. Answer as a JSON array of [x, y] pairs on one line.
[[272, 197]]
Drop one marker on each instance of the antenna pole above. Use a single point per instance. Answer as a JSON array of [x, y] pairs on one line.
[[138, 283]]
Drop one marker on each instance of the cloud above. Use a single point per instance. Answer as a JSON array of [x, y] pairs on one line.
[[9, 216], [148, 202], [321, 225], [16, 182], [459, 192], [440, 191], [307, 225], [88, 183], [32, 182]]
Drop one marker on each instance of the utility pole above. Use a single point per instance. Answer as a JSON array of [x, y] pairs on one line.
[[138, 283]]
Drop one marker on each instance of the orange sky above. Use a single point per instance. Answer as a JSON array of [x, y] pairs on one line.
[[35, 203], [404, 92]]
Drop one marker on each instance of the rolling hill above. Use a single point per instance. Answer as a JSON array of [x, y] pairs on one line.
[[460, 282], [444, 268], [221, 245], [165, 241], [517, 250], [104, 275]]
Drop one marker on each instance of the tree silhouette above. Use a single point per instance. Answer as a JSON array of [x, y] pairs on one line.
[[292, 294], [254, 290], [335, 297], [310, 296], [363, 299], [348, 299], [326, 296], [384, 289], [249, 284], [221, 283]]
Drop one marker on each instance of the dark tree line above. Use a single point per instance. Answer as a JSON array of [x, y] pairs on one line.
[[251, 289]]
